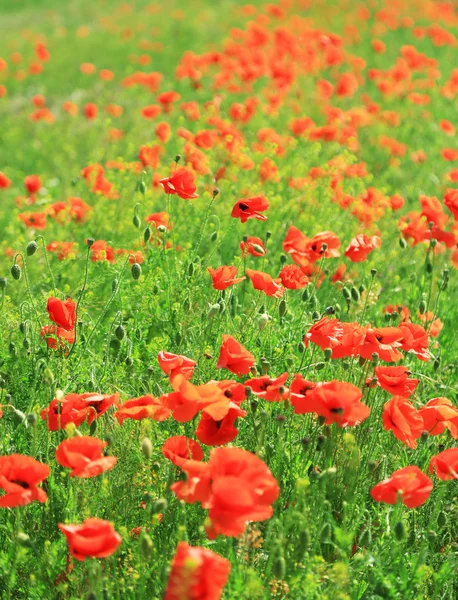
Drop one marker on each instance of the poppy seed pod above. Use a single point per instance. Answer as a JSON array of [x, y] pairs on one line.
[[90, 242], [147, 448], [146, 235], [136, 271], [16, 272], [31, 248]]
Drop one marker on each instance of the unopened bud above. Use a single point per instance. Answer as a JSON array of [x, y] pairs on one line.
[[136, 221], [3, 282], [31, 248], [147, 448], [263, 320], [146, 234], [399, 531], [136, 271], [282, 308], [16, 271], [213, 309], [214, 236]]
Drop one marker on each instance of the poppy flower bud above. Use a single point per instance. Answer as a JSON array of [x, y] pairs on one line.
[[19, 416], [281, 418], [146, 545], [387, 317], [31, 248], [374, 272], [346, 293], [320, 442], [302, 543], [268, 234], [177, 158], [355, 294], [399, 531], [263, 320], [146, 235], [162, 228], [120, 332], [422, 307], [91, 596], [245, 239], [330, 310], [315, 316], [136, 221], [214, 236], [424, 436], [115, 344], [305, 294], [265, 364], [26, 343], [136, 271], [215, 192], [142, 188], [371, 465], [213, 309], [402, 243], [147, 448], [23, 540], [301, 347], [327, 354], [129, 361], [90, 241], [16, 271], [319, 366], [93, 427], [365, 538], [23, 327], [248, 391], [437, 363], [325, 533], [32, 419], [253, 371], [429, 266], [282, 308], [442, 519], [3, 282], [375, 358], [394, 315], [12, 349], [279, 567], [191, 269], [159, 506]]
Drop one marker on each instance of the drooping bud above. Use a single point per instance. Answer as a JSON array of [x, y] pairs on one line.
[[136, 271], [31, 248], [16, 272]]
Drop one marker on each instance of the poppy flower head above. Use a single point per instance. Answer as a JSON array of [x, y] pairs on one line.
[[180, 449], [223, 277], [234, 357], [268, 388], [144, 407], [32, 184], [19, 479], [293, 278], [445, 464], [400, 416], [410, 485], [395, 380], [252, 245], [361, 246], [181, 182], [263, 282], [94, 538], [219, 433], [62, 313], [84, 456], [197, 574], [338, 402], [250, 208], [176, 364]]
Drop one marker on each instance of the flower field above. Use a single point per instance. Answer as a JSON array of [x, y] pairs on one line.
[[228, 300]]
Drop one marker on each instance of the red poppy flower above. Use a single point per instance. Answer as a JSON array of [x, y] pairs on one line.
[[188, 399], [325, 333], [181, 182], [78, 209], [84, 456], [415, 340], [440, 414], [410, 485], [264, 283], [60, 413], [62, 312], [90, 110], [450, 201], [32, 183], [272, 390], [101, 251], [250, 208], [395, 380], [233, 390], [445, 464], [253, 246], [175, 364], [218, 433], [338, 402], [35, 220], [160, 219], [145, 407], [385, 341], [197, 574], [293, 278], [403, 420], [94, 538], [5, 182], [234, 357], [54, 334], [299, 395], [223, 277], [322, 245], [19, 478], [361, 246], [180, 449]]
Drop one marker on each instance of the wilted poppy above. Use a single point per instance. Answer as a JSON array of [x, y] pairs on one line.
[[84, 456], [94, 538], [19, 479], [410, 485]]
